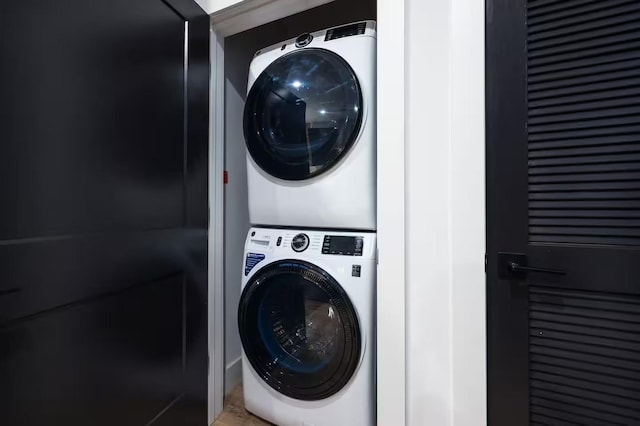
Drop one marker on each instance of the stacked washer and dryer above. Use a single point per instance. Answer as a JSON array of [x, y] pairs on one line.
[[307, 311]]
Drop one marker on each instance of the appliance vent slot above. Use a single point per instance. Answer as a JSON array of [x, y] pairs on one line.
[[346, 31], [583, 88], [584, 358]]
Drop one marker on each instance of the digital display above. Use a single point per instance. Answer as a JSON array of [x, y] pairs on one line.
[[346, 31], [347, 246], [342, 245]]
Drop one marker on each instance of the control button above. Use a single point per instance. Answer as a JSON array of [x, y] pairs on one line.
[[304, 40], [355, 270], [279, 241], [300, 243]]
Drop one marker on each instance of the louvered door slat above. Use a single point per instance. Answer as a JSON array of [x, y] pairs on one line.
[[579, 411], [617, 375], [615, 384], [551, 14], [583, 36], [589, 19], [584, 177], [582, 80], [622, 157], [584, 98], [547, 57], [600, 146], [586, 116], [538, 7], [592, 88], [596, 186], [595, 70], [587, 62]]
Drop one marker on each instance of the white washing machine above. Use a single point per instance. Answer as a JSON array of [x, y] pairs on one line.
[[310, 130], [307, 324]]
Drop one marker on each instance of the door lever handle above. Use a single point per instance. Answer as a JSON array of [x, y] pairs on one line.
[[514, 267]]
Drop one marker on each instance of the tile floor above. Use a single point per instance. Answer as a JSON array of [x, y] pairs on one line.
[[234, 413]]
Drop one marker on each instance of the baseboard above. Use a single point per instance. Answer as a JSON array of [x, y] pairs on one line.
[[232, 375]]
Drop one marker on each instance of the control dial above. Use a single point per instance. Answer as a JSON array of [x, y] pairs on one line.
[[304, 40], [300, 243]]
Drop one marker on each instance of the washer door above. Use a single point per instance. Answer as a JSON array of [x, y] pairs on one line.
[[302, 114], [299, 330]]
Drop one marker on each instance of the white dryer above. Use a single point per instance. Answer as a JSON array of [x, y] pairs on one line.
[[307, 326], [310, 130]]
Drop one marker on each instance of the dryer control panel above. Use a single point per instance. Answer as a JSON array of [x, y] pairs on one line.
[[287, 242]]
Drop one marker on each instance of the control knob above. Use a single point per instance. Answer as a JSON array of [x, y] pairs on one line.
[[300, 243]]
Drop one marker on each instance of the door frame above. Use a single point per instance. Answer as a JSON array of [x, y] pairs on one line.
[[391, 348], [505, 297], [216, 229]]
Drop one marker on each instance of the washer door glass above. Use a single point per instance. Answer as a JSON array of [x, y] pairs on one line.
[[302, 114], [299, 330]]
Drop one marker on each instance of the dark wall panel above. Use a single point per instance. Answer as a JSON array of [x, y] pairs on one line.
[[117, 357], [103, 225], [92, 116]]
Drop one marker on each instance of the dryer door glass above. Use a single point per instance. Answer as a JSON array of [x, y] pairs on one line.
[[302, 114], [299, 330]]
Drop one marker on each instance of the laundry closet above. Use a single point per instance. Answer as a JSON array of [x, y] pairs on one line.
[[240, 174]]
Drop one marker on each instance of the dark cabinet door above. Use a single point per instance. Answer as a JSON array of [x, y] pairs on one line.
[[563, 236], [103, 212]]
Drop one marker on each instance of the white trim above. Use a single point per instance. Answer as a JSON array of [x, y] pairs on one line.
[[391, 370], [468, 235], [428, 223], [212, 6], [250, 14], [445, 207], [216, 230], [233, 375]]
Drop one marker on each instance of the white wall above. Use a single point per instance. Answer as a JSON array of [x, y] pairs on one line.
[[445, 234], [236, 226]]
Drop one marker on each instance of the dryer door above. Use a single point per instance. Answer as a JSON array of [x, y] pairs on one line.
[[303, 114], [299, 330]]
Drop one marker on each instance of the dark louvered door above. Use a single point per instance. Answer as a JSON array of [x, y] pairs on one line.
[[563, 199]]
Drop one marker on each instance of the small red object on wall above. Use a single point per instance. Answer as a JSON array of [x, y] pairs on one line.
[[225, 178]]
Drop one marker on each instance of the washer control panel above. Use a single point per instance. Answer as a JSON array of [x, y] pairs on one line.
[[342, 245]]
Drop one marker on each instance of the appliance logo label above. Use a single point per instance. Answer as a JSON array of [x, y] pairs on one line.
[[252, 260]]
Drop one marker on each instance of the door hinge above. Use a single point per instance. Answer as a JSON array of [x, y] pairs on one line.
[[486, 261]]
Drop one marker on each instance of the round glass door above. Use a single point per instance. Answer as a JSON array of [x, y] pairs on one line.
[[302, 114], [299, 330]]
